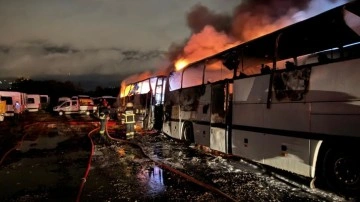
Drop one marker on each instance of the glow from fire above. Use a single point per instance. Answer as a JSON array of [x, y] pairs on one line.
[[245, 25], [126, 86], [180, 64], [201, 45]]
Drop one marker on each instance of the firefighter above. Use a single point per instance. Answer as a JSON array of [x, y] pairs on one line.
[[129, 117], [102, 127], [104, 106], [17, 109]]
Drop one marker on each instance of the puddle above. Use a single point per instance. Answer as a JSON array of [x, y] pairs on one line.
[[42, 143], [132, 177], [153, 178]]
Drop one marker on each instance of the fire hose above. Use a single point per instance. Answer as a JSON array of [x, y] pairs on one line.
[[88, 165]]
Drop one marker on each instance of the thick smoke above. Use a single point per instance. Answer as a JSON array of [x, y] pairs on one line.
[[213, 31], [254, 17], [271, 8], [200, 16], [175, 50]]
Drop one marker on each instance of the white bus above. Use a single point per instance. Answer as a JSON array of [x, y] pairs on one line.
[[289, 100]]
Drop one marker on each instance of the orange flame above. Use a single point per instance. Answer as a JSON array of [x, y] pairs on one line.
[[180, 64]]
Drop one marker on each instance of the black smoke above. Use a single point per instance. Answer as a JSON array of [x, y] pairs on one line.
[[200, 16]]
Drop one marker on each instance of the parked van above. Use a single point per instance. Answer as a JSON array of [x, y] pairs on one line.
[[62, 99], [11, 97], [33, 102], [76, 106]]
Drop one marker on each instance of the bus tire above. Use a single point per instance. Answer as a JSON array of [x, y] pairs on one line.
[[188, 133], [61, 113], [341, 171]]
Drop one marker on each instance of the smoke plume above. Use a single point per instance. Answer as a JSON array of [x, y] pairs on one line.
[[254, 18], [213, 32], [200, 16]]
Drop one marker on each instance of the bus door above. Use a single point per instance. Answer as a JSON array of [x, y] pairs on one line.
[[219, 123], [157, 118], [9, 105]]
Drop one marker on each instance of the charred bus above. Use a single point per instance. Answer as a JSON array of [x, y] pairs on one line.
[[289, 99], [147, 96]]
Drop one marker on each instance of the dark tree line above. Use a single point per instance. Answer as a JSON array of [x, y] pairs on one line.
[[56, 89]]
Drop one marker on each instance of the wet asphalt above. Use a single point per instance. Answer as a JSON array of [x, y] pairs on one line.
[[50, 163]]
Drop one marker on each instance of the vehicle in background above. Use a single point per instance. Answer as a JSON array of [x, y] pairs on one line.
[[2, 109], [147, 97], [11, 97], [79, 97], [110, 108], [76, 106], [62, 99], [44, 102], [33, 102]]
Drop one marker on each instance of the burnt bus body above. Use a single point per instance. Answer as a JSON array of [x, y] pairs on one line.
[[289, 99]]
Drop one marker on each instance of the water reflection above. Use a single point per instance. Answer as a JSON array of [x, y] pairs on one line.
[[42, 142], [155, 182]]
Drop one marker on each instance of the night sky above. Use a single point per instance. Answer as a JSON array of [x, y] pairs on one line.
[[100, 42]]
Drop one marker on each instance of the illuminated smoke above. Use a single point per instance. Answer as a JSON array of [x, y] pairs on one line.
[[213, 32], [206, 43], [254, 18]]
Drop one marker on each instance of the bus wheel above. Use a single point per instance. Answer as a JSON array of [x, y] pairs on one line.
[[342, 171], [61, 113], [187, 133]]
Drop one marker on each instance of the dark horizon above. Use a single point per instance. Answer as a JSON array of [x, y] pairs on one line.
[[87, 82]]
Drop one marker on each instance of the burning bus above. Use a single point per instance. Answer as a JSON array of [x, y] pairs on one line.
[[146, 93], [289, 99]]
